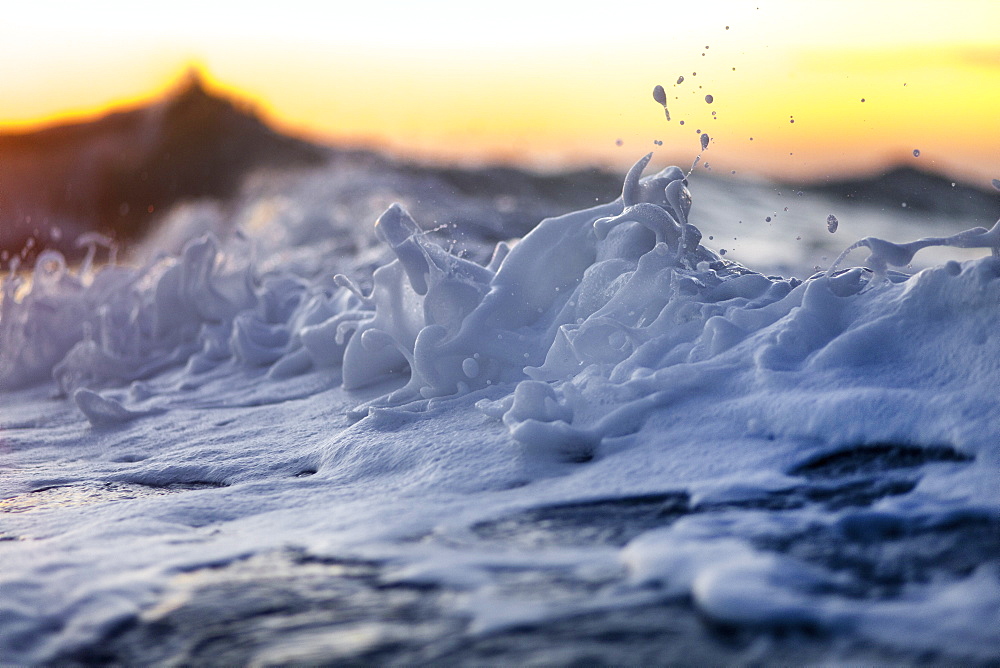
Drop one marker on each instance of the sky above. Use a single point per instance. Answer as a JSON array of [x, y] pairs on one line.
[[823, 88]]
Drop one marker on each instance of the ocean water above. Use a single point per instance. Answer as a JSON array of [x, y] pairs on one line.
[[694, 424]]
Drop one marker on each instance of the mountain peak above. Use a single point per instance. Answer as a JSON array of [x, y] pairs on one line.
[[115, 173], [192, 83]]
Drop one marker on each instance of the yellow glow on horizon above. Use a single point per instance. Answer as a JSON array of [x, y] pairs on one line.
[[525, 84]]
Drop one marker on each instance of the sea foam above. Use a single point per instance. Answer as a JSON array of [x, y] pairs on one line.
[[609, 354], [594, 319]]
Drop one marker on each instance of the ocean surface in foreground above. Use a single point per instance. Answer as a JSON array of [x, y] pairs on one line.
[[664, 429]]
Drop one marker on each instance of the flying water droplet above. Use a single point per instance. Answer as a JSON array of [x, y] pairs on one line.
[[704, 141], [660, 95], [832, 223]]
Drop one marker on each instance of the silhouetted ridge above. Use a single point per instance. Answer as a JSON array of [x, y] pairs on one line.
[[116, 173]]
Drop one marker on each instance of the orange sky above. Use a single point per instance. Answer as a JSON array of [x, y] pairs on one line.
[[548, 83]]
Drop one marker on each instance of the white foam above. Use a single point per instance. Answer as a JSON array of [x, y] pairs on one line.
[[437, 392]]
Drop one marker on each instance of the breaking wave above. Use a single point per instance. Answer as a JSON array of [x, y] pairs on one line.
[[594, 319], [611, 335]]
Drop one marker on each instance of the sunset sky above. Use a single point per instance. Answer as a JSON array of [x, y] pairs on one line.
[[547, 83]]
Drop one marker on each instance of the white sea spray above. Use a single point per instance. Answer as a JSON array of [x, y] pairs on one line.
[[439, 393]]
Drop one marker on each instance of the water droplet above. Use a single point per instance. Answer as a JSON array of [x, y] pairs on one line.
[[767, 219], [680, 79], [618, 142], [916, 153], [709, 99], [832, 223], [660, 95], [862, 99], [704, 141]]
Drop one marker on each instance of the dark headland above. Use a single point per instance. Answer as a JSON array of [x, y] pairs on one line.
[[113, 175]]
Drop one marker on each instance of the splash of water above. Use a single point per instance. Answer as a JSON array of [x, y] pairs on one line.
[[620, 300]]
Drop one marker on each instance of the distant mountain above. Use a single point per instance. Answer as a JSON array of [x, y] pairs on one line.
[[919, 190], [114, 174]]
